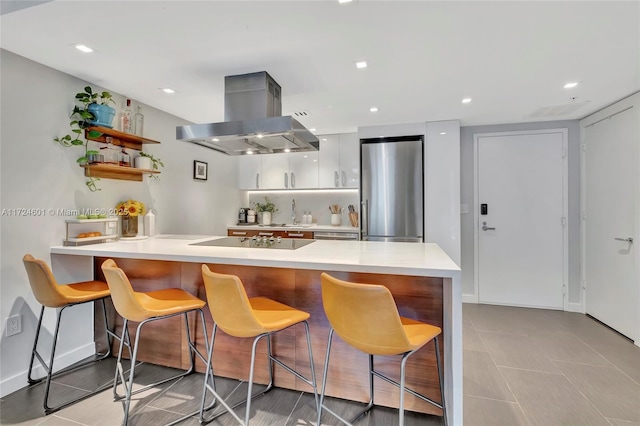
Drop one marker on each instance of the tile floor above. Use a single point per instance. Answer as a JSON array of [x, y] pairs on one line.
[[521, 367]]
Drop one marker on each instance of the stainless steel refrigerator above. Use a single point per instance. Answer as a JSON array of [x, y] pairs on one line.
[[392, 189]]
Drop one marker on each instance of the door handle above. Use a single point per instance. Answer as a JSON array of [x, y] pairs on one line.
[[286, 180], [336, 179], [293, 180], [486, 228], [257, 180], [344, 178], [627, 240]]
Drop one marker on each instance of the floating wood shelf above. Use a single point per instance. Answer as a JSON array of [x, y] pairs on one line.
[[126, 140], [112, 171]]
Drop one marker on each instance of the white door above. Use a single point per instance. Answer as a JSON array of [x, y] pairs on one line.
[[521, 233], [611, 192]]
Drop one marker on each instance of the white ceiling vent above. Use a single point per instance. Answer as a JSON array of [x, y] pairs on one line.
[[557, 110], [301, 114]]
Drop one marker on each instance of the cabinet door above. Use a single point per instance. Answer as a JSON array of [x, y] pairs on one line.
[[241, 232], [329, 162], [249, 172], [349, 160], [275, 171], [303, 170]]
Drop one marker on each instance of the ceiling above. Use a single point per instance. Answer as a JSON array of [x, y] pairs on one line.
[[511, 57]]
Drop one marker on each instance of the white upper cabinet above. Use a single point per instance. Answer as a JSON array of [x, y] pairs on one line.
[[303, 170], [290, 171], [249, 172], [339, 161]]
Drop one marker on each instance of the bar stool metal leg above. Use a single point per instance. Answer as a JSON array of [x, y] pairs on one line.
[[49, 367]]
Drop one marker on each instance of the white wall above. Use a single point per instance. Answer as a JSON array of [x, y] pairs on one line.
[[466, 192], [37, 173]]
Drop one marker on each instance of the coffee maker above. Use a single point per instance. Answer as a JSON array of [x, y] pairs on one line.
[[242, 216]]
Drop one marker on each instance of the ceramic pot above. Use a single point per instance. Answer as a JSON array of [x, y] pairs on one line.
[[103, 115], [141, 162], [266, 218]]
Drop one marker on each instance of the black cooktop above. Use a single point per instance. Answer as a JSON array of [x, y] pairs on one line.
[[256, 242]]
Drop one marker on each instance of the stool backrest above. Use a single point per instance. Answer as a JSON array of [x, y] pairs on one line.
[[43, 284], [122, 294], [364, 316], [229, 304]]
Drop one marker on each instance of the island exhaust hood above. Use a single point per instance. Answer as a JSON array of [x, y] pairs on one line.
[[253, 121]]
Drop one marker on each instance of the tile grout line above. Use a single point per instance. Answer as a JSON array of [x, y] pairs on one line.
[[526, 417], [583, 395], [64, 418], [606, 359]]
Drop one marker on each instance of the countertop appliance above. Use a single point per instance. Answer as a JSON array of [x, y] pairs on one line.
[[392, 189], [256, 242], [253, 121], [242, 215]]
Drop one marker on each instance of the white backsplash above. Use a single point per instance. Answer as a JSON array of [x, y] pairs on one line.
[[317, 202]]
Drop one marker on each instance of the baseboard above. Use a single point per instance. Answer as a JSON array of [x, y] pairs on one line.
[[19, 381], [575, 307], [469, 298]]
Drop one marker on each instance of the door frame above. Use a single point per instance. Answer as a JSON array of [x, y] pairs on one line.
[[630, 102], [565, 208]]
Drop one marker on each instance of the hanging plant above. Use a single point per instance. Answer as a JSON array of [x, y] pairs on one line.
[[81, 118]]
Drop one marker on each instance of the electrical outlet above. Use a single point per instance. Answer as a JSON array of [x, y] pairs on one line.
[[13, 325]]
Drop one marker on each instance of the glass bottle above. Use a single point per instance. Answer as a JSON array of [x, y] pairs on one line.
[[126, 118], [138, 121], [125, 158]]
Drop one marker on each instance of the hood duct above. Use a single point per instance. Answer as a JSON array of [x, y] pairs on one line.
[[253, 121]]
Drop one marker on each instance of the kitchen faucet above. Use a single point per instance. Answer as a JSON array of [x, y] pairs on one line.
[[293, 211]]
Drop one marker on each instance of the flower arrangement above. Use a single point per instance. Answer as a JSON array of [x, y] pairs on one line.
[[130, 208]]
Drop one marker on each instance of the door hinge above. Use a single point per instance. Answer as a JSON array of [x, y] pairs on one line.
[[584, 145]]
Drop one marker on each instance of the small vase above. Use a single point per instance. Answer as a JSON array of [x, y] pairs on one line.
[[266, 218], [129, 226]]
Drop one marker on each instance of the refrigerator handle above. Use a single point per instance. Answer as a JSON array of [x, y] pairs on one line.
[[365, 220]]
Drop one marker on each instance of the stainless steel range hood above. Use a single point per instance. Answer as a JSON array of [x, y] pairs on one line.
[[253, 121]]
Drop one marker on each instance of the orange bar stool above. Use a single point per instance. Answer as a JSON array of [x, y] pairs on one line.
[[144, 308], [366, 317], [239, 316], [51, 295]]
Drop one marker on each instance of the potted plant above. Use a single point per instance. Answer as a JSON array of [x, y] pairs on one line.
[[268, 208], [148, 162], [91, 112]]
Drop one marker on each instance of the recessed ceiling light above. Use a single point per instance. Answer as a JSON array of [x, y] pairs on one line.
[[571, 85], [344, 1], [324, 139], [361, 64], [306, 156], [168, 90], [260, 135], [373, 109], [312, 129], [83, 48], [215, 140], [287, 150], [443, 133], [249, 152], [466, 100]]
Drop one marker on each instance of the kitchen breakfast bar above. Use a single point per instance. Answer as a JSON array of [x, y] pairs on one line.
[[424, 281]]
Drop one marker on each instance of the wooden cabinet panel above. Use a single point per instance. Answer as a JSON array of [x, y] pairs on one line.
[[419, 298]]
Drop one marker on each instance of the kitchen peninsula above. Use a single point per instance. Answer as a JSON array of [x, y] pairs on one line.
[[424, 281]]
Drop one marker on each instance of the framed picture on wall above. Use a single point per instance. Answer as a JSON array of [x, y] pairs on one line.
[[200, 170]]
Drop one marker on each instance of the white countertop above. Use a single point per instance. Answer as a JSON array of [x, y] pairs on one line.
[[311, 228], [354, 256]]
